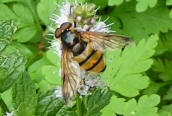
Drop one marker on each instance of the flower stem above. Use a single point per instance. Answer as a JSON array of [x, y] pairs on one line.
[[79, 110]]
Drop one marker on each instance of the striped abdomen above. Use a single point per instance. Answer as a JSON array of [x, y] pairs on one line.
[[91, 60]]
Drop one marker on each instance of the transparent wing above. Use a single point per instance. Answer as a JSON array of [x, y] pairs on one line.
[[70, 76], [105, 41]]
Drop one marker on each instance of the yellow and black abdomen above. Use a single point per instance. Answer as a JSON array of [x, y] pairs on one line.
[[91, 60]]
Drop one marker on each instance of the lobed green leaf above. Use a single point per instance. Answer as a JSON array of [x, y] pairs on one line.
[[164, 67], [145, 105], [140, 25], [142, 5], [129, 64]]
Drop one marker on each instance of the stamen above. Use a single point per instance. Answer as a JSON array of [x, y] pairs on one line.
[[52, 19], [109, 24], [106, 19], [50, 34], [97, 8]]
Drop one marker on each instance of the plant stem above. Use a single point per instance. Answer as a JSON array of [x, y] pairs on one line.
[[79, 110]]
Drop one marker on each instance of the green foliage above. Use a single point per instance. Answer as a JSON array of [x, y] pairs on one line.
[[132, 107], [138, 78], [8, 28], [12, 65], [48, 104], [97, 101], [143, 4], [24, 96], [126, 73]]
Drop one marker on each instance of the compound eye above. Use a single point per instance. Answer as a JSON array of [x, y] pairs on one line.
[[58, 32], [65, 26]]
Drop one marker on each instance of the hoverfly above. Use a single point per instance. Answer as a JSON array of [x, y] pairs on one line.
[[84, 49]]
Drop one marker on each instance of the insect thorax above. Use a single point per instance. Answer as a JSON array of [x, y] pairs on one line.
[[70, 41]]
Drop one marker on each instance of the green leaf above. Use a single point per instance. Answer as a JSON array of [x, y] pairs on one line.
[[3, 44], [164, 113], [7, 1], [124, 69], [35, 69], [53, 57], [27, 50], [7, 98], [168, 96], [142, 24], [167, 108], [23, 13], [12, 66], [102, 4], [154, 87], [52, 74], [49, 104], [114, 2], [116, 105], [8, 28], [142, 5], [164, 44], [24, 96], [64, 111], [168, 2], [164, 67], [146, 105], [44, 86], [45, 9], [29, 33], [8, 14], [71, 1], [170, 14], [97, 101]]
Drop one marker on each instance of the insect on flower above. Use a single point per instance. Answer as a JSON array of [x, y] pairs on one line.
[[84, 49]]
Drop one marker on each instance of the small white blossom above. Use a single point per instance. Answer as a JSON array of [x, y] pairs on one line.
[[65, 11], [79, 18], [57, 46], [58, 92], [101, 27], [83, 89], [10, 114], [93, 81]]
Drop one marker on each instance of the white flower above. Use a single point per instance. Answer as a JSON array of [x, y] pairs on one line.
[[10, 114], [101, 27], [83, 89], [65, 11], [81, 14], [56, 45], [94, 81], [58, 92]]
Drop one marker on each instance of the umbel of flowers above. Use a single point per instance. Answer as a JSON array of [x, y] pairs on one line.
[[83, 18]]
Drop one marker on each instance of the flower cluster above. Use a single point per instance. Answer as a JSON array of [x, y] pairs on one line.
[[89, 81], [83, 18]]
